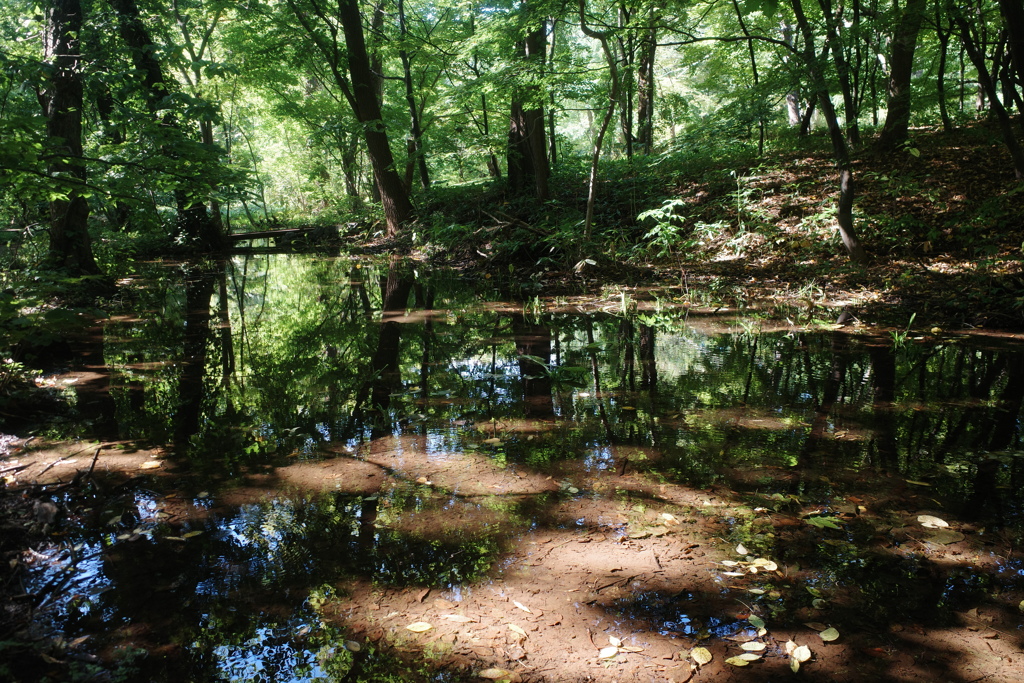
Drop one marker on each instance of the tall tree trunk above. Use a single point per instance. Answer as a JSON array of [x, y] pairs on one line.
[[416, 146], [1013, 14], [645, 88], [393, 194], [527, 148], [840, 150], [754, 74], [942, 33], [613, 96], [194, 222], [834, 43], [901, 65], [977, 57], [70, 246]]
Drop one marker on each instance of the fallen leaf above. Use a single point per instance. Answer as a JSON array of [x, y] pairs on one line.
[[730, 563], [794, 665], [801, 653], [733, 574], [756, 591], [458, 618], [737, 661], [192, 534], [150, 465], [517, 629], [756, 621], [1020, 606], [741, 549], [630, 648], [615, 642], [930, 522], [823, 522], [829, 634], [607, 652], [353, 646], [419, 627], [917, 483], [750, 656], [492, 442], [816, 626], [495, 674], [701, 655], [790, 646], [753, 646], [522, 606]]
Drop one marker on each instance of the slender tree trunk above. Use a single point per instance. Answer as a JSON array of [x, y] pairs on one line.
[[940, 78], [393, 194], [835, 44], [977, 58], [70, 245], [753, 70], [901, 65], [613, 97], [416, 148], [194, 223], [840, 150], [645, 88]]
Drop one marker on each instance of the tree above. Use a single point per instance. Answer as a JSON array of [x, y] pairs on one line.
[[194, 221], [527, 149], [814, 65], [338, 37], [62, 100], [901, 66]]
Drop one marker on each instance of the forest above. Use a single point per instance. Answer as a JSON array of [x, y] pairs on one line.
[[525, 341], [627, 131]]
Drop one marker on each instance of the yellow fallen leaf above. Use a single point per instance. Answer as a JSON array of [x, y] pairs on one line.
[[790, 646], [801, 653], [419, 627], [151, 465], [737, 661], [753, 646], [615, 642], [756, 591], [701, 655], [495, 674], [829, 634], [741, 549], [607, 652], [730, 563], [750, 656], [192, 534], [517, 629]]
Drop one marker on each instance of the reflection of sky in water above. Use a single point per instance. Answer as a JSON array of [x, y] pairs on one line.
[[599, 459], [269, 655]]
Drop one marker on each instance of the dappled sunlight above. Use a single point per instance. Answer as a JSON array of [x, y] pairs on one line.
[[553, 495]]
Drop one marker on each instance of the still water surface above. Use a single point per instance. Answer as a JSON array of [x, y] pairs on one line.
[[332, 419]]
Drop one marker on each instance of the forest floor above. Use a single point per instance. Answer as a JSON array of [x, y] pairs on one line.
[[942, 222], [944, 228], [645, 590]]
